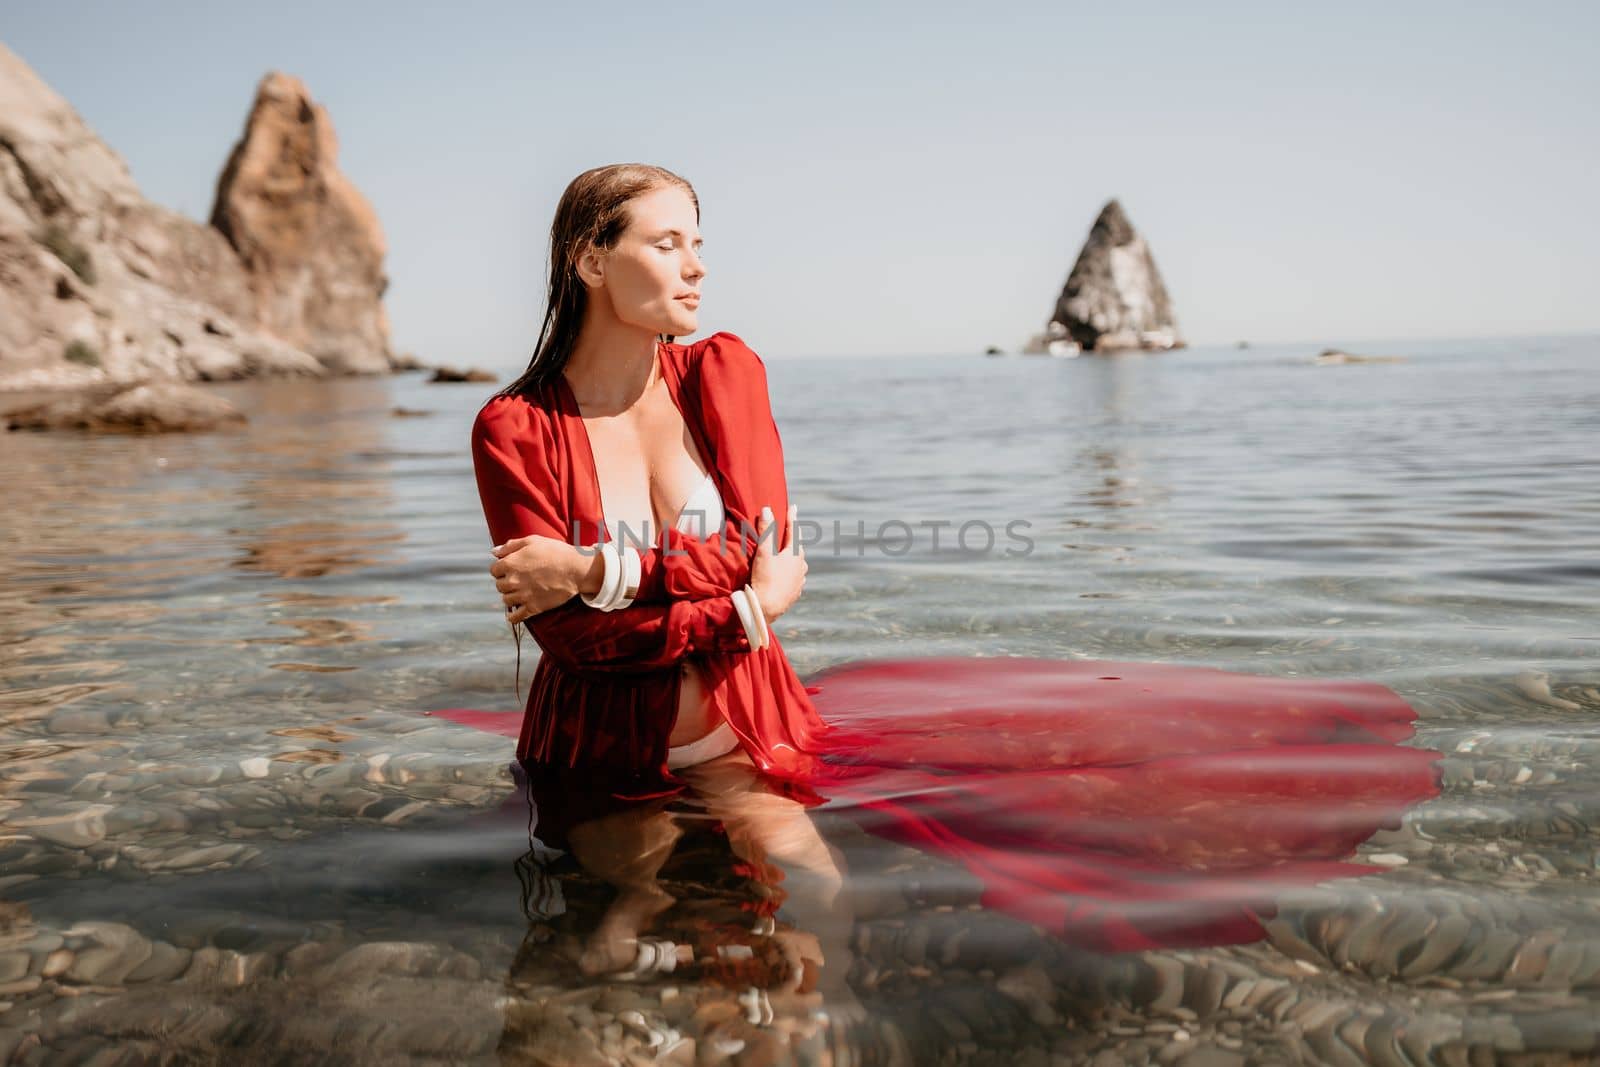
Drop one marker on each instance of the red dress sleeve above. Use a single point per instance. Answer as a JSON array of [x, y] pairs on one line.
[[726, 391], [759, 694], [513, 453], [732, 384], [686, 566]]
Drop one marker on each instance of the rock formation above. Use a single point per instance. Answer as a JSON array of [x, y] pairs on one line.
[[309, 241], [98, 285], [1114, 297], [1335, 356], [150, 407], [458, 374]]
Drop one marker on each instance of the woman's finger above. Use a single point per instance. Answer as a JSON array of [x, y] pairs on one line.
[[763, 523], [515, 612], [511, 544]]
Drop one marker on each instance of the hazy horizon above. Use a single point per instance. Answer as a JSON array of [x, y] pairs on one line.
[[914, 180]]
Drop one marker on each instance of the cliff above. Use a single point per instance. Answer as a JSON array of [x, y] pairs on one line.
[[99, 285]]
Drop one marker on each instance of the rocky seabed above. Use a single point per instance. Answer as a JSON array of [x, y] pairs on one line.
[[1478, 945]]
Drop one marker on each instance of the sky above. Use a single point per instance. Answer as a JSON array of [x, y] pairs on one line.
[[893, 178]]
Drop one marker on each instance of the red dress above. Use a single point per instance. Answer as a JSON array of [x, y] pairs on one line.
[[1123, 805], [604, 696]]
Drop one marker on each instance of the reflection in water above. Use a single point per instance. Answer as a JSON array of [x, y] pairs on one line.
[[314, 549], [728, 887], [1115, 477], [314, 489]]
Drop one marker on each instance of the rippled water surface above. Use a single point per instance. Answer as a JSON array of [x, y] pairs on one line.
[[233, 833]]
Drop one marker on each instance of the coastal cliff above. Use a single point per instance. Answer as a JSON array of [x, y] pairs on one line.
[[99, 286]]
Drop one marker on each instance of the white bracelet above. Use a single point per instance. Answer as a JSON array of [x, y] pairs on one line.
[[619, 582], [612, 583], [610, 577], [632, 567], [751, 630], [761, 616]]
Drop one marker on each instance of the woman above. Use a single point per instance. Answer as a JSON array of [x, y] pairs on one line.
[[610, 437], [658, 651], [1121, 804]]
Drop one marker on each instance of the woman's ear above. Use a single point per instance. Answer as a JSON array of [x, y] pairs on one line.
[[590, 267]]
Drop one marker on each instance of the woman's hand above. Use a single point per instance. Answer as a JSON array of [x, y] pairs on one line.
[[537, 573], [777, 576]]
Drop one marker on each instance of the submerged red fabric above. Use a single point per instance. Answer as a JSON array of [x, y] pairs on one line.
[[1119, 805]]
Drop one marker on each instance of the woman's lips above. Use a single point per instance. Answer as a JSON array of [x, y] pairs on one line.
[[692, 301]]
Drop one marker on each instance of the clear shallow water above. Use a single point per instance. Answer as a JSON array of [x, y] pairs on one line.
[[229, 821]]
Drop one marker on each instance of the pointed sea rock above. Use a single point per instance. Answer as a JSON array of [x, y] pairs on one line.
[[309, 241], [1114, 297]]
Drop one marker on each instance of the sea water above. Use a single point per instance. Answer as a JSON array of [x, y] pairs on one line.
[[230, 820]]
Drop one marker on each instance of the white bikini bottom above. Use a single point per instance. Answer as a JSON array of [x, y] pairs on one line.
[[718, 742]]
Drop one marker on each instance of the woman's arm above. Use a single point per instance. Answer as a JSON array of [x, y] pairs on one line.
[[511, 450], [726, 391], [686, 566], [642, 637]]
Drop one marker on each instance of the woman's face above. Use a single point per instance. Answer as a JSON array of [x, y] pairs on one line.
[[652, 276]]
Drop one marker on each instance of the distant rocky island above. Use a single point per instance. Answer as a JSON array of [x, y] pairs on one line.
[[99, 287], [1114, 298]]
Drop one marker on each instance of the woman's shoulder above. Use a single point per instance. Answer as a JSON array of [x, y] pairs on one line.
[[724, 344], [521, 415], [725, 354]]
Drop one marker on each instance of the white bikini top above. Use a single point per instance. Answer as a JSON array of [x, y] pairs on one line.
[[701, 515]]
